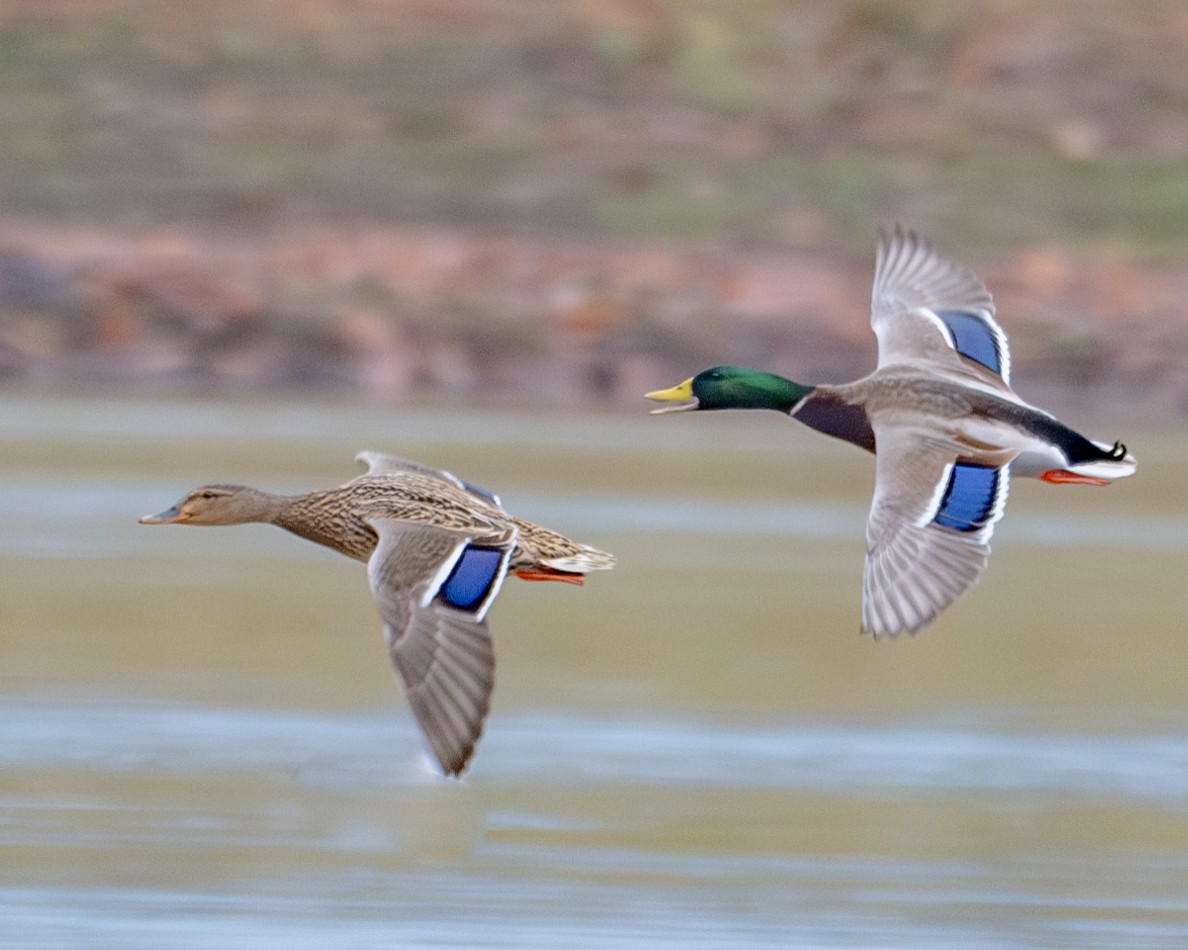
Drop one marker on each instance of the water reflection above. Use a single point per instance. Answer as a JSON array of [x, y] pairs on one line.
[[343, 751], [587, 831]]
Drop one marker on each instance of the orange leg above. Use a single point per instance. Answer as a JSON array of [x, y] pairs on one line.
[[548, 574], [1060, 476]]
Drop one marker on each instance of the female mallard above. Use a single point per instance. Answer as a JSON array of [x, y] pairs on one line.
[[437, 550], [946, 424]]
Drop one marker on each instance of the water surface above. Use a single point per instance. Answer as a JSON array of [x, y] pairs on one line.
[[201, 744]]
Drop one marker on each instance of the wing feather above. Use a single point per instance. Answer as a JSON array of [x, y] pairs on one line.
[[378, 463], [926, 306], [442, 654], [928, 534]]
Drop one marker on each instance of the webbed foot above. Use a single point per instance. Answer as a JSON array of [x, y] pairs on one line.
[[548, 574]]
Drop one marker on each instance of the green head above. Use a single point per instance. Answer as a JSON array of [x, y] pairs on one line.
[[732, 387]]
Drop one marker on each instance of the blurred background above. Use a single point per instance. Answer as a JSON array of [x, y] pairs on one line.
[[241, 241], [564, 202]]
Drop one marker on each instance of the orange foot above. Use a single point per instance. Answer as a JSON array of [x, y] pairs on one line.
[[1060, 476], [548, 574]]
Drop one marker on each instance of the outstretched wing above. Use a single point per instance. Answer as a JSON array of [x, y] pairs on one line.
[[928, 534], [926, 306], [434, 588], [378, 462]]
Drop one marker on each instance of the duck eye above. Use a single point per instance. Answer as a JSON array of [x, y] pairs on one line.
[[208, 494]]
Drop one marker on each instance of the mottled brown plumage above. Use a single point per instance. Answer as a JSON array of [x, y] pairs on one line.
[[437, 550], [340, 518]]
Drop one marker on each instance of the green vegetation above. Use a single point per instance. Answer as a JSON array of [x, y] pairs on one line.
[[676, 120]]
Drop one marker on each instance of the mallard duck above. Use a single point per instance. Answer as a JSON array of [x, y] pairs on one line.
[[944, 423], [437, 550]]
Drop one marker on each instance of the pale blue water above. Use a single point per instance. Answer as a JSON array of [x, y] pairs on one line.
[[548, 866], [188, 760], [55, 516]]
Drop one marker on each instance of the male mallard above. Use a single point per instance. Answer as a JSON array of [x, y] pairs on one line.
[[437, 550], [944, 422]]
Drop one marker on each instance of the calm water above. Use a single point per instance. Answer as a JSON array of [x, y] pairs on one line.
[[201, 744]]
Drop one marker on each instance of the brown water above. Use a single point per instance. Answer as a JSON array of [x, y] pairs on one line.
[[201, 744]]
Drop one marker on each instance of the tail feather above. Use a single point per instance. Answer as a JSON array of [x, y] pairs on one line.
[[541, 546], [1095, 463], [1116, 462], [582, 561]]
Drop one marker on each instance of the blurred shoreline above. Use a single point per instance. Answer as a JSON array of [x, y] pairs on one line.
[[577, 201], [392, 313]]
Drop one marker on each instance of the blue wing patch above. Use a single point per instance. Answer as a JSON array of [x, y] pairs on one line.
[[969, 498], [481, 492], [474, 573], [973, 338]]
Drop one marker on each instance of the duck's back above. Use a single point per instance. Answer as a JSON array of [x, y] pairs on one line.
[[339, 518]]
